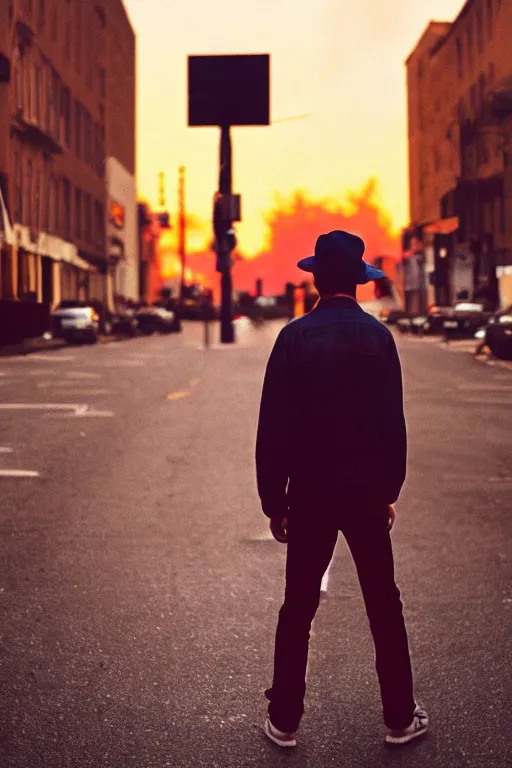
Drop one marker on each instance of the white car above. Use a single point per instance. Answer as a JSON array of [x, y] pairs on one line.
[[75, 324]]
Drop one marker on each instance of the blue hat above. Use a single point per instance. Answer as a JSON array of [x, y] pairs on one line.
[[341, 253]]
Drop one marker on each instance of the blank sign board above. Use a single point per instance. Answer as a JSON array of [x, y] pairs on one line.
[[229, 90]]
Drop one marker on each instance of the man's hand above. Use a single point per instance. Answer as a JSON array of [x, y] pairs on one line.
[[279, 528], [392, 516]]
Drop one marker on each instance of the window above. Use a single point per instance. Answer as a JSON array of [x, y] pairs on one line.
[[102, 79], [18, 80], [460, 69], [99, 152], [41, 16], [469, 42], [78, 214], [490, 18], [66, 199], [88, 150], [78, 40], [481, 90], [67, 41], [473, 100], [99, 225], [88, 218], [89, 76], [65, 117], [18, 188], [53, 105], [480, 29], [78, 129], [29, 191], [47, 196], [37, 211], [54, 195], [55, 24], [37, 95]]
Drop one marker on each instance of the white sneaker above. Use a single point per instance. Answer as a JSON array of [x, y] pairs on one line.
[[418, 727], [280, 738]]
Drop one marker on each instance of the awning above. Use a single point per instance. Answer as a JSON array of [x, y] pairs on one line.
[[60, 250], [442, 226]]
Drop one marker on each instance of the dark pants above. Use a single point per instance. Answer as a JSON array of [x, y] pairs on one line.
[[311, 544]]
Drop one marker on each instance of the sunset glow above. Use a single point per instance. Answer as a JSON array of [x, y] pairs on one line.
[[340, 62]]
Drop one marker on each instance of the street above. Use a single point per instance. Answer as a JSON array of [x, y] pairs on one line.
[[140, 585]]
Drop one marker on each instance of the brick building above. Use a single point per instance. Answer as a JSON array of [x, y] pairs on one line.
[[459, 85], [122, 212], [56, 91]]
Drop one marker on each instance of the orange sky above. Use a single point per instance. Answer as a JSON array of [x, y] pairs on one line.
[[338, 60]]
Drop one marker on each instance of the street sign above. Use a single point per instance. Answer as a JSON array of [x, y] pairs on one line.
[[229, 90]]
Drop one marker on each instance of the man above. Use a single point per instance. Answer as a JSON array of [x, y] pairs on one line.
[[331, 455]]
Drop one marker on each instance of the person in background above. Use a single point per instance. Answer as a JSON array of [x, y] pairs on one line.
[[331, 456]]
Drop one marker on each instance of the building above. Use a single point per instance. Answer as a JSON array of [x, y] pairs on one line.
[[122, 214], [60, 78], [459, 84]]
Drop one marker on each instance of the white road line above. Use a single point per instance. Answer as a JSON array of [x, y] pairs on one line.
[[71, 408], [484, 387], [325, 580], [82, 375], [5, 450], [18, 473], [45, 358]]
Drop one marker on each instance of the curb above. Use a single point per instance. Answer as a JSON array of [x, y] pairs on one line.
[[32, 346]]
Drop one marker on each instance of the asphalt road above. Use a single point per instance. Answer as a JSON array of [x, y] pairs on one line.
[[139, 587]]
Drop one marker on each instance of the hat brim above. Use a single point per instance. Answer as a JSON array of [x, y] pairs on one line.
[[371, 273]]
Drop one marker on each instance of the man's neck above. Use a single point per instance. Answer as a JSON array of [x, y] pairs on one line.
[[327, 296]]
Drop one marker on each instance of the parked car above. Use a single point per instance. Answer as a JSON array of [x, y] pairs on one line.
[[432, 322], [498, 334], [75, 323], [125, 323], [466, 320], [404, 324], [155, 319]]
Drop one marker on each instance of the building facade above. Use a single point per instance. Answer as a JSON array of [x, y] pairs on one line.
[[55, 97], [459, 84], [122, 214]]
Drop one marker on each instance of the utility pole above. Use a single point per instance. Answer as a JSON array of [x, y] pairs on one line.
[[182, 230], [223, 226], [161, 189]]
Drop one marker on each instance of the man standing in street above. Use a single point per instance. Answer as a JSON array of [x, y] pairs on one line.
[[331, 456]]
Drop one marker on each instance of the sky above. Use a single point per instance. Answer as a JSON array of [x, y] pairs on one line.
[[340, 61]]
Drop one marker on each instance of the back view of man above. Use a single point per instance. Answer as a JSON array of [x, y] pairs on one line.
[[331, 455]]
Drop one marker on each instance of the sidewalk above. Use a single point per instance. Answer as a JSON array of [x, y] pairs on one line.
[[31, 346], [464, 346]]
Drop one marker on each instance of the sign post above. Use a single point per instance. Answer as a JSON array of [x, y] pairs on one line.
[[227, 91]]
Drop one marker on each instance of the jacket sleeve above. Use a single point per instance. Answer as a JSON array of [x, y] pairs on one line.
[[272, 437], [396, 430]]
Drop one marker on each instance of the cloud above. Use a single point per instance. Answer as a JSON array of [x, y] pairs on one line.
[[293, 225]]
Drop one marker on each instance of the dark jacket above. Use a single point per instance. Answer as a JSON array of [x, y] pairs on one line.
[[331, 421]]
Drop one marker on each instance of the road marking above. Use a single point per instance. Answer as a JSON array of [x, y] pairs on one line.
[[76, 410], [5, 450], [325, 579], [480, 401], [86, 392], [45, 358], [484, 387], [18, 473], [195, 382], [177, 395], [82, 375]]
